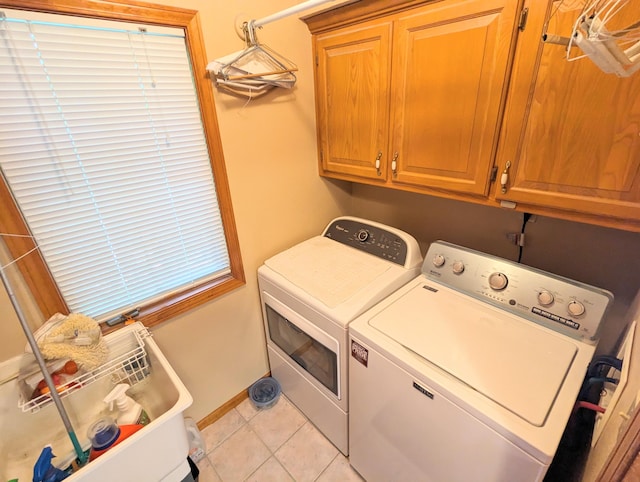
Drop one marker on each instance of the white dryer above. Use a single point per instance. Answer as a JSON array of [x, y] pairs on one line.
[[311, 292], [470, 371]]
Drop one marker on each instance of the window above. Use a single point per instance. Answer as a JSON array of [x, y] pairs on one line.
[[113, 161]]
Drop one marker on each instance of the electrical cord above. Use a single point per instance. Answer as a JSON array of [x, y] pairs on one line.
[[525, 220]]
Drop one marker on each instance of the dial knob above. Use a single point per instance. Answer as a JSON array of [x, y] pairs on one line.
[[458, 267], [498, 281], [575, 308], [438, 260], [362, 235], [545, 298]]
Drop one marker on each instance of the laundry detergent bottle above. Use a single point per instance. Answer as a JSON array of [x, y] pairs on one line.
[[105, 434], [130, 412]]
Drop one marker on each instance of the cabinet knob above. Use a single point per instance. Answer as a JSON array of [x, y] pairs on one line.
[[378, 163], [504, 178], [394, 164]]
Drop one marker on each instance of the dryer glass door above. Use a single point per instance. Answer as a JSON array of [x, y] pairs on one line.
[[305, 344]]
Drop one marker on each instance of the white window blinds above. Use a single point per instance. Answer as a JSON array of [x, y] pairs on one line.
[[103, 148]]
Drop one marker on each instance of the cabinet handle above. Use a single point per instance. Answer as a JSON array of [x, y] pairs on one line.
[[394, 164], [504, 178], [378, 163]]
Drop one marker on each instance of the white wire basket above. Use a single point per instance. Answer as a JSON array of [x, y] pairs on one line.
[[127, 363]]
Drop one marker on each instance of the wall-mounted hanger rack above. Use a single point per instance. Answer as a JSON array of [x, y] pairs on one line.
[[254, 70], [613, 51], [257, 69]]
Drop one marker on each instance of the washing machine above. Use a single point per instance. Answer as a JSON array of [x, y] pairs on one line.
[[310, 293], [470, 371]]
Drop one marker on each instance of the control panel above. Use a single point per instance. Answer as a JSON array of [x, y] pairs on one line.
[[381, 241], [564, 305]]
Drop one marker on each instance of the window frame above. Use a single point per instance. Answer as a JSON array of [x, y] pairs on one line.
[[32, 267]]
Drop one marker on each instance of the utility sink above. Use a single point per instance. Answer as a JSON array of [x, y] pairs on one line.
[[157, 452]]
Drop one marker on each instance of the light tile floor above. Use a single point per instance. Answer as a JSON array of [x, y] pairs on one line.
[[276, 444]]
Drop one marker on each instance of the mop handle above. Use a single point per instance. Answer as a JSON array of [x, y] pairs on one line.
[[43, 367]]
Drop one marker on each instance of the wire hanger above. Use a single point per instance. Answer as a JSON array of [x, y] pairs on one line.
[[254, 70], [613, 51], [257, 69]]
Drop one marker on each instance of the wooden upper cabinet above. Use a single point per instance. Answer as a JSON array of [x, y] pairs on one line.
[[450, 61], [447, 92], [571, 132], [413, 99], [352, 98]]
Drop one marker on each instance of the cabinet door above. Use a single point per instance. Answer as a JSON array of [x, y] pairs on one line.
[[449, 68], [352, 100], [571, 132]]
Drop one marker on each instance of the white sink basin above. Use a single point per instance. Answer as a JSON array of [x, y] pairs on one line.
[[158, 452]]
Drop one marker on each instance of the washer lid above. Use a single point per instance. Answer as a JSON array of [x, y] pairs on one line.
[[513, 362], [329, 271]]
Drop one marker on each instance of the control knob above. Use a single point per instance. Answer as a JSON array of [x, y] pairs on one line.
[[458, 267], [498, 281], [575, 308], [545, 298], [362, 235], [438, 260]]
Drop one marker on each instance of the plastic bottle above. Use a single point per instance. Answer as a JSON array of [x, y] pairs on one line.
[[130, 412], [105, 434], [197, 447], [44, 471]]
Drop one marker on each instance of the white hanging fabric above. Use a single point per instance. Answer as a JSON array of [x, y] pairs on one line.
[[257, 69]]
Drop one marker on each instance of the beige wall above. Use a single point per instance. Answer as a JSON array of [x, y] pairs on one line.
[[278, 199], [269, 145]]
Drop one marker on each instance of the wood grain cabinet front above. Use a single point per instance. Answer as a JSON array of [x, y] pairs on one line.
[[450, 61], [445, 97], [414, 99], [571, 132], [352, 98]]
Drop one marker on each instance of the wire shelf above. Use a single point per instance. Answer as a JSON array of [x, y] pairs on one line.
[[127, 363]]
